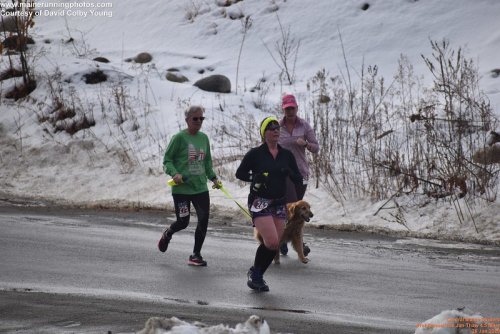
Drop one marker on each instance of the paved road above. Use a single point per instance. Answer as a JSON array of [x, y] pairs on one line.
[[97, 271]]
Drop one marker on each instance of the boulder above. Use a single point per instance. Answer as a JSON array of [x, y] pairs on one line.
[[176, 77], [216, 83], [101, 59], [141, 58]]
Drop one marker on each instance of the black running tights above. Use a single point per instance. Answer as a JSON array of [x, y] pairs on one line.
[[201, 203]]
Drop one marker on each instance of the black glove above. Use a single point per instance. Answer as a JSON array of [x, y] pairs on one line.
[[259, 178], [259, 181]]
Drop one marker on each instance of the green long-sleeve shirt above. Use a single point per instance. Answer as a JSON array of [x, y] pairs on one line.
[[189, 155]]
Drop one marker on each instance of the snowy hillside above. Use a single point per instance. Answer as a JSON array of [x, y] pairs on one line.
[[132, 115]]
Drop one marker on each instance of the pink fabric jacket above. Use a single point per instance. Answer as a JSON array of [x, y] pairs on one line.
[[288, 140]]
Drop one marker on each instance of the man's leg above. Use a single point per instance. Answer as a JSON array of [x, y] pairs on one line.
[[182, 212], [201, 203]]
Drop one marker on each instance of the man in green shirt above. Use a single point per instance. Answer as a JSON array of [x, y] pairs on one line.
[[189, 161]]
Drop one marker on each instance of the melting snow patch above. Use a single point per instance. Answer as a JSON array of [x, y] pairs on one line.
[[156, 325]]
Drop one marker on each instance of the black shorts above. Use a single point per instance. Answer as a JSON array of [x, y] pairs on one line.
[[262, 207]]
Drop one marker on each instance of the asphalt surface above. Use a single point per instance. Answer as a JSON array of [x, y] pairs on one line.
[[98, 271]]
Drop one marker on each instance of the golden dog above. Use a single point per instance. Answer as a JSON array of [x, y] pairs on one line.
[[298, 213]]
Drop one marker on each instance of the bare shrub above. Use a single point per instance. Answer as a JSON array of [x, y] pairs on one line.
[[194, 8], [246, 24], [78, 47], [287, 49], [20, 27], [261, 89], [384, 140], [73, 125], [454, 124], [65, 111], [10, 73], [234, 133]]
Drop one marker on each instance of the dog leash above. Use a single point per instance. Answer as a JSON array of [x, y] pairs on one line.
[[228, 195], [242, 208]]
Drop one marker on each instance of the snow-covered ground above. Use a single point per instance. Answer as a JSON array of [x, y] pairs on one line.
[[156, 325], [113, 165], [446, 322], [117, 162]]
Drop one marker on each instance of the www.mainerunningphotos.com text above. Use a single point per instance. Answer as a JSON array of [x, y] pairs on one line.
[[56, 5], [80, 9]]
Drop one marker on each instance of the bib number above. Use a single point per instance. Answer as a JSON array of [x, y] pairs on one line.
[[260, 204]]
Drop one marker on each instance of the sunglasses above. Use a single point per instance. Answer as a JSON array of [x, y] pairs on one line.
[[273, 127], [196, 119]]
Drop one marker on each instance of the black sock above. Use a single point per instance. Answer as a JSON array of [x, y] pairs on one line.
[[263, 258]]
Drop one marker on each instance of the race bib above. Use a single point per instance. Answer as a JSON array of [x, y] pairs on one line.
[[260, 204], [183, 209]]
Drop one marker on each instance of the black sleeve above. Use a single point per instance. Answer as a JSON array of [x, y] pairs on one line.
[[244, 170]]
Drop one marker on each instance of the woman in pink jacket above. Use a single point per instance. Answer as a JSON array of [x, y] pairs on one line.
[[297, 136]]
